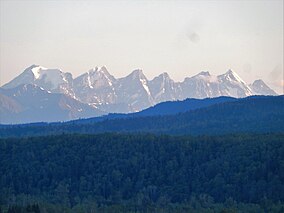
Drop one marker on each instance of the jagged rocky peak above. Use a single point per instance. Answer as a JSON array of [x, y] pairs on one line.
[[164, 76], [230, 75], [204, 73], [33, 66], [49, 79], [203, 76], [233, 85], [26, 77], [136, 74], [259, 83], [162, 88], [102, 72], [260, 88], [99, 70], [95, 78], [161, 78]]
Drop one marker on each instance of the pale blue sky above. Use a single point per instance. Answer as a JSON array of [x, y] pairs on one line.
[[178, 37]]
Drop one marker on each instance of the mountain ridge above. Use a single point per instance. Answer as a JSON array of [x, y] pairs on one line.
[[134, 92], [255, 114], [30, 103]]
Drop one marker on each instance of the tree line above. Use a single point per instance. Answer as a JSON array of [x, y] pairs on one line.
[[143, 172]]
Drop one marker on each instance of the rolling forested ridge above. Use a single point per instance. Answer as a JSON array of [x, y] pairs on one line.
[[257, 114], [142, 173]]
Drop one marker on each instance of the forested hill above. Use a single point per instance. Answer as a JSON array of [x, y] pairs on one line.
[[251, 115], [174, 107], [144, 173], [164, 108]]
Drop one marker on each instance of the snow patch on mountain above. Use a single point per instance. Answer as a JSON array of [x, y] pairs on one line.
[[54, 77], [233, 85], [144, 84], [53, 80]]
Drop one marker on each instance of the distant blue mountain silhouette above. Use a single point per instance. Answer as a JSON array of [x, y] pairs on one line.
[[165, 108], [175, 107]]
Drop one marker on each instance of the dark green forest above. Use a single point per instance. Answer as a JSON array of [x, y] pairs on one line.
[[142, 173]]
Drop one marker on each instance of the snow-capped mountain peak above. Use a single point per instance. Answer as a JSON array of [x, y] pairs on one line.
[[95, 78], [134, 90], [139, 75], [95, 87], [230, 75], [161, 79], [137, 79], [53, 77], [37, 70], [102, 70], [53, 80], [233, 85], [162, 88]]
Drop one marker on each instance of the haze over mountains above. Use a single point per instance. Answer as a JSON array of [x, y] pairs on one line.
[[30, 103], [41, 94]]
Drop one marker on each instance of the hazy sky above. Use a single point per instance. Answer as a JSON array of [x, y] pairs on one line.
[[178, 37]]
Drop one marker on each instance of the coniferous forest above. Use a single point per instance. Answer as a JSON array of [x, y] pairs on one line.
[[142, 173]]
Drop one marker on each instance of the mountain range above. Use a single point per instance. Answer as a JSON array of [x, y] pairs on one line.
[[41, 94], [30, 103]]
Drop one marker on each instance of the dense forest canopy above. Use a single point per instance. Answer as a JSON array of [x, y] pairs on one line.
[[143, 171]]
